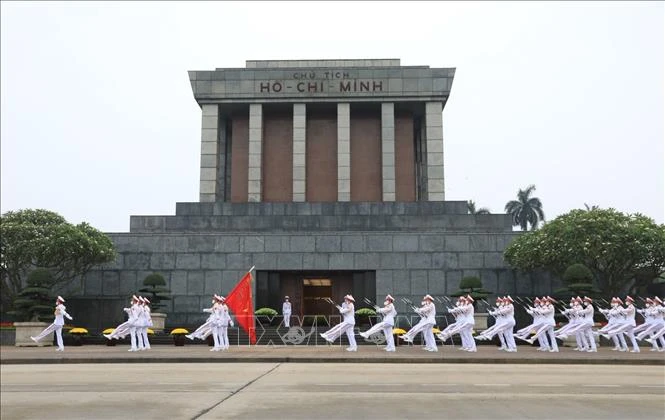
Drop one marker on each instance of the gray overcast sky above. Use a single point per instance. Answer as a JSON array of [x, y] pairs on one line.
[[99, 122]]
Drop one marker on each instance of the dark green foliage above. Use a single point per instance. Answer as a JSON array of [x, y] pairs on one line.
[[578, 273], [526, 210], [155, 285], [625, 252], [42, 238], [472, 286], [265, 312], [34, 302]]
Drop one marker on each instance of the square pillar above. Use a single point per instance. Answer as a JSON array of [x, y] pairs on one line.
[[299, 151], [209, 152], [434, 138], [388, 150], [343, 152], [255, 150]]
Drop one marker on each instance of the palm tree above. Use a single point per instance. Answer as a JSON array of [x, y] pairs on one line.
[[526, 209], [471, 206], [594, 207]]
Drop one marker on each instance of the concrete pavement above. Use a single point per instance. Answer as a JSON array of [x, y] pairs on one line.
[[318, 354], [331, 391]]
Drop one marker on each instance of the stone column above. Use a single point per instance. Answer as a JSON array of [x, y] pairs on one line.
[[343, 152], [209, 152], [255, 149], [388, 150], [299, 151], [434, 138]]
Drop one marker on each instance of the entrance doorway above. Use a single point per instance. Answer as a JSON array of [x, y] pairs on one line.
[[308, 289], [315, 291]]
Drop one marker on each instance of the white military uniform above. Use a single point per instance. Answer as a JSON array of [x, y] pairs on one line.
[[60, 313], [147, 323], [224, 322], [125, 328], [346, 326], [386, 325], [427, 321], [286, 312]]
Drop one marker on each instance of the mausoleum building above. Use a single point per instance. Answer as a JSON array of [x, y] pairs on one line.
[[328, 177]]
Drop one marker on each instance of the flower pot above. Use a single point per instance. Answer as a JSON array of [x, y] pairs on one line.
[[179, 340], [158, 321], [25, 330], [77, 340], [111, 343]]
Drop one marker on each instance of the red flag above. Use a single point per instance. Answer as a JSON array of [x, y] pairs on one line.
[[239, 301]]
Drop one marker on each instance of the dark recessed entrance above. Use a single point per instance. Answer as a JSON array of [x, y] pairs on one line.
[[309, 289]]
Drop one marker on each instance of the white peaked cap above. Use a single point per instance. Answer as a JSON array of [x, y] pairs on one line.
[[469, 298], [60, 299], [509, 299], [431, 299], [141, 299], [349, 297], [145, 299], [286, 297], [657, 299], [390, 298], [134, 297], [628, 298]]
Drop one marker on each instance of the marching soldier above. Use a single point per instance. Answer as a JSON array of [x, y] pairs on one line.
[[427, 311], [129, 326], [346, 326], [386, 325], [60, 313]]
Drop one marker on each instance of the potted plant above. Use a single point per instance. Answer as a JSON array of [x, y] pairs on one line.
[[396, 333], [109, 343], [266, 316], [473, 286], [77, 334], [155, 285], [179, 336], [34, 305], [363, 316]]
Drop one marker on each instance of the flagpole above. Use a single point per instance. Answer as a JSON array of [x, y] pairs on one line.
[[251, 269]]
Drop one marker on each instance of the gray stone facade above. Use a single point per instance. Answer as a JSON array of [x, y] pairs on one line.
[[427, 248]]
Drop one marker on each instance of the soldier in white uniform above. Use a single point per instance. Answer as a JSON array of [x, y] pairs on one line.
[[427, 312], [346, 326], [508, 311], [225, 323], [286, 312], [613, 314], [386, 325], [205, 329], [146, 322], [60, 313], [127, 327]]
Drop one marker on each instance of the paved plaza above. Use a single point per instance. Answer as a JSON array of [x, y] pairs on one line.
[[316, 354], [331, 391]]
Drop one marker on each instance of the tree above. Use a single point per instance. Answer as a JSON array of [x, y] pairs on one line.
[[618, 248], [526, 210], [589, 208], [156, 286], [578, 281], [42, 238], [34, 302], [471, 206], [472, 286]]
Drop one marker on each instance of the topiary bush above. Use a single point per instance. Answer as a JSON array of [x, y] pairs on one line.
[[472, 286], [265, 312], [365, 312], [578, 280], [35, 302], [155, 284]]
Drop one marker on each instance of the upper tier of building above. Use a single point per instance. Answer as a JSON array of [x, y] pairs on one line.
[[302, 81]]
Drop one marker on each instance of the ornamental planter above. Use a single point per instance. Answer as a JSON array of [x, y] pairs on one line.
[[481, 321], [25, 330], [158, 321], [179, 340]]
